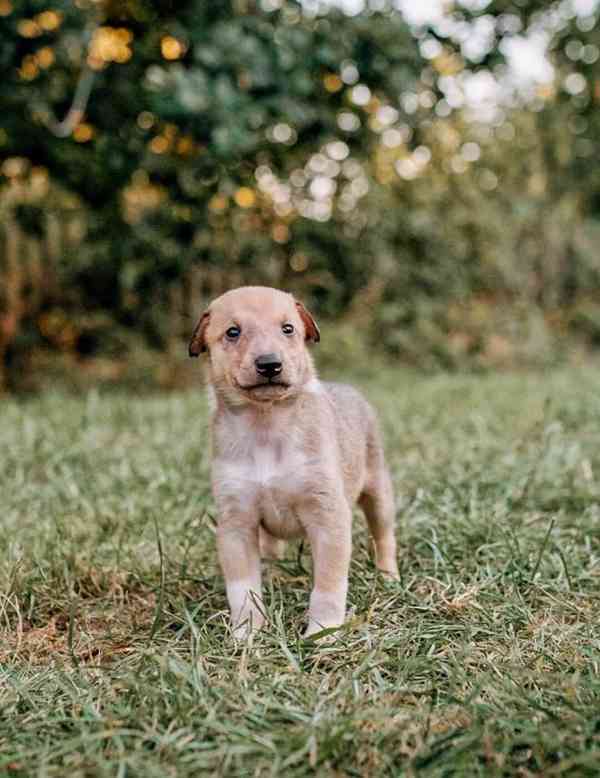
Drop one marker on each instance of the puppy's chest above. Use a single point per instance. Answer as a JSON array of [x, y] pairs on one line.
[[268, 475]]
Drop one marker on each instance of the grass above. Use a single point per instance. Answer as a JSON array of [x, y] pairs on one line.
[[115, 659]]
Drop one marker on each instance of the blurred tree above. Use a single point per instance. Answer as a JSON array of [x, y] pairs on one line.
[[154, 153], [184, 105], [502, 206]]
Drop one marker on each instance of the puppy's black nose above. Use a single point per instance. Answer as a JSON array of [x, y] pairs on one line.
[[268, 365]]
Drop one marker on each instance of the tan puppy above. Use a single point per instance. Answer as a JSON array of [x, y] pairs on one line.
[[291, 455]]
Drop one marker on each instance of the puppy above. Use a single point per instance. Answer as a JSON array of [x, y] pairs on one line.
[[291, 454]]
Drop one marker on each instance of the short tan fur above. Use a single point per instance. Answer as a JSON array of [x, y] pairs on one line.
[[291, 454]]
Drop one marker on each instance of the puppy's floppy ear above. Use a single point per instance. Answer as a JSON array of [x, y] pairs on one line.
[[198, 342], [310, 325]]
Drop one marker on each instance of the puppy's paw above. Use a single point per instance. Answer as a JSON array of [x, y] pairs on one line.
[[388, 565], [324, 633], [390, 572], [326, 611], [246, 628]]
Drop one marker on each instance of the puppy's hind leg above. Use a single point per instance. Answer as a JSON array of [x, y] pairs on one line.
[[270, 546], [377, 502]]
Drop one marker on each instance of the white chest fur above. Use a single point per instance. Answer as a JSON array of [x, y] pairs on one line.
[[261, 466], [263, 469]]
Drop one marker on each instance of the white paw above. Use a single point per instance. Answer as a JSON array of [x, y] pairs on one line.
[[247, 627], [314, 628]]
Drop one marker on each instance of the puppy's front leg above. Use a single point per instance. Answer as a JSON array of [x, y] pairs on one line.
[[331, 545], [240, 561]]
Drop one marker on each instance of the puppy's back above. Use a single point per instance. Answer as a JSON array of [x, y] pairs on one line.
[[357, 433]]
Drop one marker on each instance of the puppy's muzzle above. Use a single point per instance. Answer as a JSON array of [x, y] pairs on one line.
[[268, 365]]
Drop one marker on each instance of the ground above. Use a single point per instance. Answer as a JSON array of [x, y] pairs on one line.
[[115, 657]]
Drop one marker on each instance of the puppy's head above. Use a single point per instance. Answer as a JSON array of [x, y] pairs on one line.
[[256, 340]]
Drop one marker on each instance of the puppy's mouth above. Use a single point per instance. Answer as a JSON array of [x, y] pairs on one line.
[[266, 389]]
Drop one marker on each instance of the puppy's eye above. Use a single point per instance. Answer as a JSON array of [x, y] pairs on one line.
[[287, 329], [233, 333]]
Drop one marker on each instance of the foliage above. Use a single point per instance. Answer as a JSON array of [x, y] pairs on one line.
[[484, 660], [301, 147]]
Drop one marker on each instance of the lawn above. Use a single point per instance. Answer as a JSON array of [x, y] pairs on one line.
[[115, 657]]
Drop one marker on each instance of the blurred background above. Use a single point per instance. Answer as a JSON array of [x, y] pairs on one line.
[[422, 174]]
